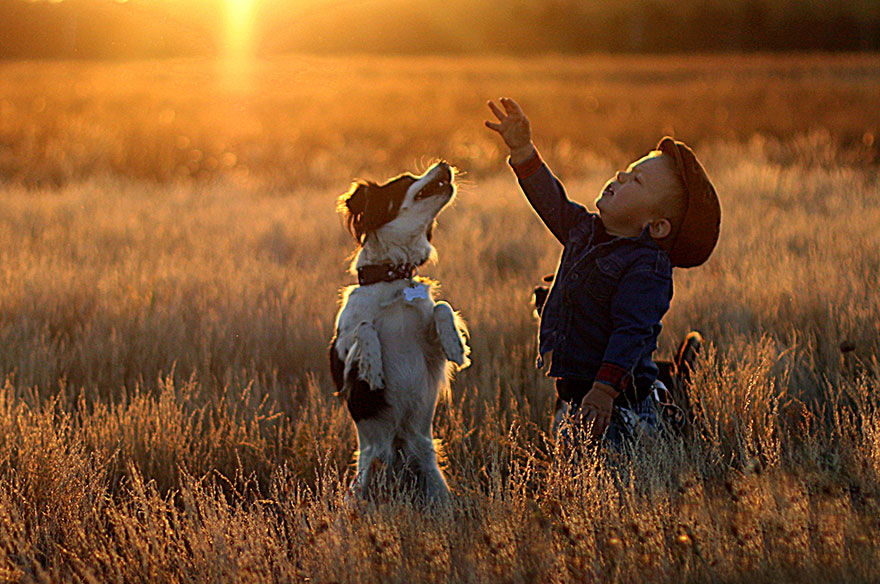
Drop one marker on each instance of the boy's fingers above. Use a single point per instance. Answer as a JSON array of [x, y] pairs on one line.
[[589, 415], [493, 125], [511, 106], [497, 111], [597, 427]]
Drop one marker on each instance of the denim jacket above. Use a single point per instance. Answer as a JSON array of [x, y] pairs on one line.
[[601, 319]]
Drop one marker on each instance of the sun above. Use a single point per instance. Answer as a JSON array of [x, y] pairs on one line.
[[239, 29], [237, 62]]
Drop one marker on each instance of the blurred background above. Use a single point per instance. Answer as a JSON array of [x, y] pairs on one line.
[[152, 28]]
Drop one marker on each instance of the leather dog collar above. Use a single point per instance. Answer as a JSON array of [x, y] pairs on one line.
[[385, 273]]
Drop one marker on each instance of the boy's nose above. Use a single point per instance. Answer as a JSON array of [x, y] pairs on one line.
[[622, 176]]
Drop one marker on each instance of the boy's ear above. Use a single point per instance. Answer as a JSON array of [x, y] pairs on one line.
[[660, 228]]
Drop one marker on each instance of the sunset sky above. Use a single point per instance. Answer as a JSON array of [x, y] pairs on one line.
[[233, 28]]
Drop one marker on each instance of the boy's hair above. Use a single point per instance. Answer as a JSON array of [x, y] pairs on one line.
[[692, 243], [672, 203]]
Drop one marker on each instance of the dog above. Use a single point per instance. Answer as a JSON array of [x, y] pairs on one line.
[[395, 347]]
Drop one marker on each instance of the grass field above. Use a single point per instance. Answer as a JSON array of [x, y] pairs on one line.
[[170, 263]]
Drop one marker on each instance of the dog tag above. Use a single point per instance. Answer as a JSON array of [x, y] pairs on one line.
[[413, 292]]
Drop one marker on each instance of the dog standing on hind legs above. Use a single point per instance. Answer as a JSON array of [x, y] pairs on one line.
[[395, 347]]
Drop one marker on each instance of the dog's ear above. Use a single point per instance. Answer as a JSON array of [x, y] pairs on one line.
[[368, 206], [353, 206]]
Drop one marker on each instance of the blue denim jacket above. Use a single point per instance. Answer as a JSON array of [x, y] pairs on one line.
[[602, 316]]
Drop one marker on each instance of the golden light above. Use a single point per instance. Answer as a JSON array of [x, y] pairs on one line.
[[238, 45], [239, 28]]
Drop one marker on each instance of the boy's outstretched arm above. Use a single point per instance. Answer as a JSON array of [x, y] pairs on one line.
[[514, 128], [543, 190]]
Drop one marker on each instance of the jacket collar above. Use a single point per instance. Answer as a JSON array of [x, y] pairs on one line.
[[644, 237]]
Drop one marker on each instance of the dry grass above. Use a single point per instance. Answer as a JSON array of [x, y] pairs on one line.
[[167, 414]]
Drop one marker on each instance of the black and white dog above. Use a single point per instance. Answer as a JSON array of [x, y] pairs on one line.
[[395, 347]]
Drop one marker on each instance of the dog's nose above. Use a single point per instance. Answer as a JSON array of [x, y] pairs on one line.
[[444, 170]]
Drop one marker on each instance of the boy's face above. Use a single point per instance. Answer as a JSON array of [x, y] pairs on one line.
[[633, 198]]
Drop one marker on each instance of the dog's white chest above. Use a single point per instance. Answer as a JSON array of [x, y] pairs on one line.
[[414, 295]]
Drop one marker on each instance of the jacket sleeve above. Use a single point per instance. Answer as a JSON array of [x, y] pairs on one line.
[[547, 197], [639, 303]]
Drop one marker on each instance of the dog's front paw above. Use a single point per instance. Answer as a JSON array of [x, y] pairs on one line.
[[366, 352], [451, 331], [456, 351], [373, 376]]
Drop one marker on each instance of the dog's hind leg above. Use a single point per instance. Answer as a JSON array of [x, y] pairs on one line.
[[423, 459], [451, 331], [375, 458]]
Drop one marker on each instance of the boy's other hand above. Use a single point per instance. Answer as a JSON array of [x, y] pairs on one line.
[[514, 128], [596, 408]]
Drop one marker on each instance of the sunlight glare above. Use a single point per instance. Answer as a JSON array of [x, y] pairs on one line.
[[238, 54], [239, 27]]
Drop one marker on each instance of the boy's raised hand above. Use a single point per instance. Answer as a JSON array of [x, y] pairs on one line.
[[514, 128]]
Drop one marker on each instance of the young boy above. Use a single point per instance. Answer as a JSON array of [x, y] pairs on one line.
[[601, 319]]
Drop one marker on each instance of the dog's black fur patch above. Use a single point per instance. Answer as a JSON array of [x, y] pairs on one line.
[[337, 367], [368, 206], [363, 403]]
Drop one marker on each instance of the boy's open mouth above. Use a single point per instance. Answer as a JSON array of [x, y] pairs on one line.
[[608, 192]]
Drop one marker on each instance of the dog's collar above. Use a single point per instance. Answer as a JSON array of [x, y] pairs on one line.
[[385, 273]]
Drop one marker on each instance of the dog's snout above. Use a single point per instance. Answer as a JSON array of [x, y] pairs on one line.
[[444, 171]]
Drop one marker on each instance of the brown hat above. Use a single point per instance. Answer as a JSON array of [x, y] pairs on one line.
[[698, 232]]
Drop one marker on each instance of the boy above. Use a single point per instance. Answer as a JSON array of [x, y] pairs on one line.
[[601, 319]]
